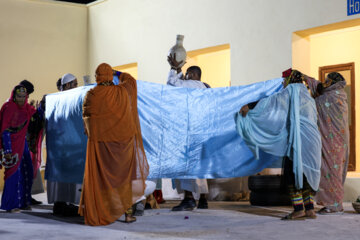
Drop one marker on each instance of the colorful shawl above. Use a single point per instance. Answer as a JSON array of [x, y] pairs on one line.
[[332, 109], [12, 116], [285, 124]]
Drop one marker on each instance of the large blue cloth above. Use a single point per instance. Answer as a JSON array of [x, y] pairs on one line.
[[187, 133], [285, 124]]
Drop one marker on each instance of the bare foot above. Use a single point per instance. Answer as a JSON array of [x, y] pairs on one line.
[[26, 208], [310, 214], [14, 210], [298, 215], [129, 218]]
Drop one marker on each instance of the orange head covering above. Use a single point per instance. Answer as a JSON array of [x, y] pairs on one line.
[[104, 73]]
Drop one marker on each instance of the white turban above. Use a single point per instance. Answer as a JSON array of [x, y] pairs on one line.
[[67, 78]]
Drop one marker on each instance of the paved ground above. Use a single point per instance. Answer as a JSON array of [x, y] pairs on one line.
[[224, 220]]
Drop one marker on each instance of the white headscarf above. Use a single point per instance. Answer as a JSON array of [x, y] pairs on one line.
[[68, 77]]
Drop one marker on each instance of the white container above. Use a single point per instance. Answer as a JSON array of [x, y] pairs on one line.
[[179, 49]]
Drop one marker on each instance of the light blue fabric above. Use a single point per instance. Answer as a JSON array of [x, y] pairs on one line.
[[285, 124], [187, 133], [65, 137]]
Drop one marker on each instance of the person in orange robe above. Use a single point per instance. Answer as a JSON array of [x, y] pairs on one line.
[[116, 167]]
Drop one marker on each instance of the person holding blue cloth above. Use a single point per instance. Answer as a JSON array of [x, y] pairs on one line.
[[285, 125], [192, 79]]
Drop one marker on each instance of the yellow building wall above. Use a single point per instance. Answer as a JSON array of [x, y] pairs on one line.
[[336, 47], [301, 53], [330, 48], [214, 64], [130, 68]]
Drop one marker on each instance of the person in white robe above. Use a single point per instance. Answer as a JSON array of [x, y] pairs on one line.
[[192, 79], [64, 196]]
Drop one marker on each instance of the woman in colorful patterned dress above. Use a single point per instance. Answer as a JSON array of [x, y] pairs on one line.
[[332, 107]]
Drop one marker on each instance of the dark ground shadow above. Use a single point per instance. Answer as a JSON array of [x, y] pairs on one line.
[[240, 206], [49, 215], [43, 207]]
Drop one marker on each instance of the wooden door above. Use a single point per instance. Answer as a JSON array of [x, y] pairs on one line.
[[347, 70]]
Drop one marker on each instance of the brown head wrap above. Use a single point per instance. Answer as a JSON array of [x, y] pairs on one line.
[[292, 76], [104, 73]]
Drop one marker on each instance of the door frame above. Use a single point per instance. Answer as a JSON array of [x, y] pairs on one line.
[[343, 67]]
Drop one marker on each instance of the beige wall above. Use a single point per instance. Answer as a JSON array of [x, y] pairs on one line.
[[259, 32], [40, 41]]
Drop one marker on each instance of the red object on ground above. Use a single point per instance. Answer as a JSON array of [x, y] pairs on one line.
[[159, 196]]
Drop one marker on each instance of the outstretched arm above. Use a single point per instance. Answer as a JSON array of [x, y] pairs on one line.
[[312, 85], [246, 108]]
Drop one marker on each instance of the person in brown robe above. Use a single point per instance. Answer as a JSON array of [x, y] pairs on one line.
[[116, 167]]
